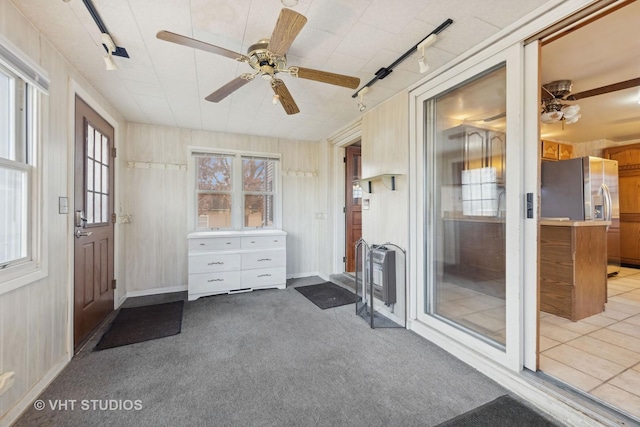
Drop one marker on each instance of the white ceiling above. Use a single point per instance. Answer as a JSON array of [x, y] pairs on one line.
[[165, 84], [601, 53]]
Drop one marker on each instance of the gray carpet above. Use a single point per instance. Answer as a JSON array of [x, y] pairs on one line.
[[267, 358]]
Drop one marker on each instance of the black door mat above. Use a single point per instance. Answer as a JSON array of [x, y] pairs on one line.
[[327, 295], [138, 324], [504, 411]]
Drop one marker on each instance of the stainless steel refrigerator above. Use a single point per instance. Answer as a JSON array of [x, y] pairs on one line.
[[584, 189]]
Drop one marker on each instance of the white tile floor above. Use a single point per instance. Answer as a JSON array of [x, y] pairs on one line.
[[600, 354]]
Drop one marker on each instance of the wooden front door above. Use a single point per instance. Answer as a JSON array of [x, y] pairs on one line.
[[628, 157], [93, 221], [353, 209]]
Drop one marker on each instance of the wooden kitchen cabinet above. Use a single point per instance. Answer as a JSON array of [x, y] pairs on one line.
[[628, 157], [565, 151], [549, 150], [480, 148], [573, 268]]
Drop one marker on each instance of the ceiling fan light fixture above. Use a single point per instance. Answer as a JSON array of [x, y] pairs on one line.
[[289, 3]]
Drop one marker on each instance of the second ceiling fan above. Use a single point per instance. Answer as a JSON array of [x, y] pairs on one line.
[[267, 57]]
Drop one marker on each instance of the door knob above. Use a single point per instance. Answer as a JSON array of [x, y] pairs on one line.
[[79, 233]]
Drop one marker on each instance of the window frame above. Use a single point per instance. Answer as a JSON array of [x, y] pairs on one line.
[[237, 189], [26, 141]]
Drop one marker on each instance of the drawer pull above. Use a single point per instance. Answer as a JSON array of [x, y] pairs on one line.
[[253, 241], [276, 241], [264, 275], [216, 263], [228, 243], [264, 259], [215, 280], [202, 244]]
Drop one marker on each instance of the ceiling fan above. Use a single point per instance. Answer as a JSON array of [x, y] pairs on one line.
[[267, 57], [554, 94]]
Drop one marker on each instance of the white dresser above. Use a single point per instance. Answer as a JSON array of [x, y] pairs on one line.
[[223, 262]]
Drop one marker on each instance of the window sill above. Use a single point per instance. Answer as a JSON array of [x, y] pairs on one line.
[[19, 276]]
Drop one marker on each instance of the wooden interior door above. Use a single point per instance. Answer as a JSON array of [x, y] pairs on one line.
[[93, 221], [353, 205], [628, 157]]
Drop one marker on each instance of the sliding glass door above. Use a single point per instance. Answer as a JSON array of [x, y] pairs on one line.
[[468, 142]]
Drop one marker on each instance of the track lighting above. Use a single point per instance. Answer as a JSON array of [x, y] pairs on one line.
[[361, 93], [110, 64], [422, 47]]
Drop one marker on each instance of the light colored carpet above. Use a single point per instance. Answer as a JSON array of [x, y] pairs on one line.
[[268, 358]]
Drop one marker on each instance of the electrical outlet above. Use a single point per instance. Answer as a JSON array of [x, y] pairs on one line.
[[6, 381]]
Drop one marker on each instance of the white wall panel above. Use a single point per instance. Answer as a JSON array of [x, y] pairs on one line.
[[34, 319], [156, 199], [385, 149]]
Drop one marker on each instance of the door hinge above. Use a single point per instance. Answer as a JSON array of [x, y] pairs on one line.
[[344, 209], [344, 259], [113, 284], [113, 152], [344, 160], [113, 218]]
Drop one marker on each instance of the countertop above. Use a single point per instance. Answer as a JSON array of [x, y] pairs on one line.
[[487, 219], [238, 233], [556, 222]]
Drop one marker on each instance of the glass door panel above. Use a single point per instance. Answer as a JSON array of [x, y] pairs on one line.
[[467, 157]]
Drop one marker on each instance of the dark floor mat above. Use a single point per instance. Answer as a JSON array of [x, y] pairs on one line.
[[501, 412], [138, 324], [327, 295]]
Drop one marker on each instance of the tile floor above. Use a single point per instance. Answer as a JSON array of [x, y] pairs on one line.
[[600, 354]]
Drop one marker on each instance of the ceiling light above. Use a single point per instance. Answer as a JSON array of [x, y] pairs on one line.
[[424, 67], [553, 111], [289, 3], [110, 64], [361, 93]]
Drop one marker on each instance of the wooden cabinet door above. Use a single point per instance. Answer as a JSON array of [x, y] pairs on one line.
[[628, 157], [474, 149], [496, 147], [549, 150]]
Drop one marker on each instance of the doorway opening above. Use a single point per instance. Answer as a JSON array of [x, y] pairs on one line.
[[353, 204], [591, 345]]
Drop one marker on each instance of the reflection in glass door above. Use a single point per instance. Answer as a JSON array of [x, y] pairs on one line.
[[466, 156]]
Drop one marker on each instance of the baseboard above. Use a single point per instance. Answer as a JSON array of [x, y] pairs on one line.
[[26, 401], [299, 275], [155, 291], [546, 400]]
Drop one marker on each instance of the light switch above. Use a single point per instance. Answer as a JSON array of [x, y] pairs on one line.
[[63, 205]]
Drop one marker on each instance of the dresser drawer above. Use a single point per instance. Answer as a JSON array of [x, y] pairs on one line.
[[213, 282], [264, 277], [264, 242], [211, 262], [214, 244], [264, 259]]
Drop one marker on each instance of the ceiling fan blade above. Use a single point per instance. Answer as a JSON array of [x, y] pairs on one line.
[[330, 78], [197, 44], [287, 27], [545, 94], [286, 99], [605, 89], [227, 89]]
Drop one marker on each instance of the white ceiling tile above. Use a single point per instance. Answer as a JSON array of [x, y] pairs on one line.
[[165, 83]]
